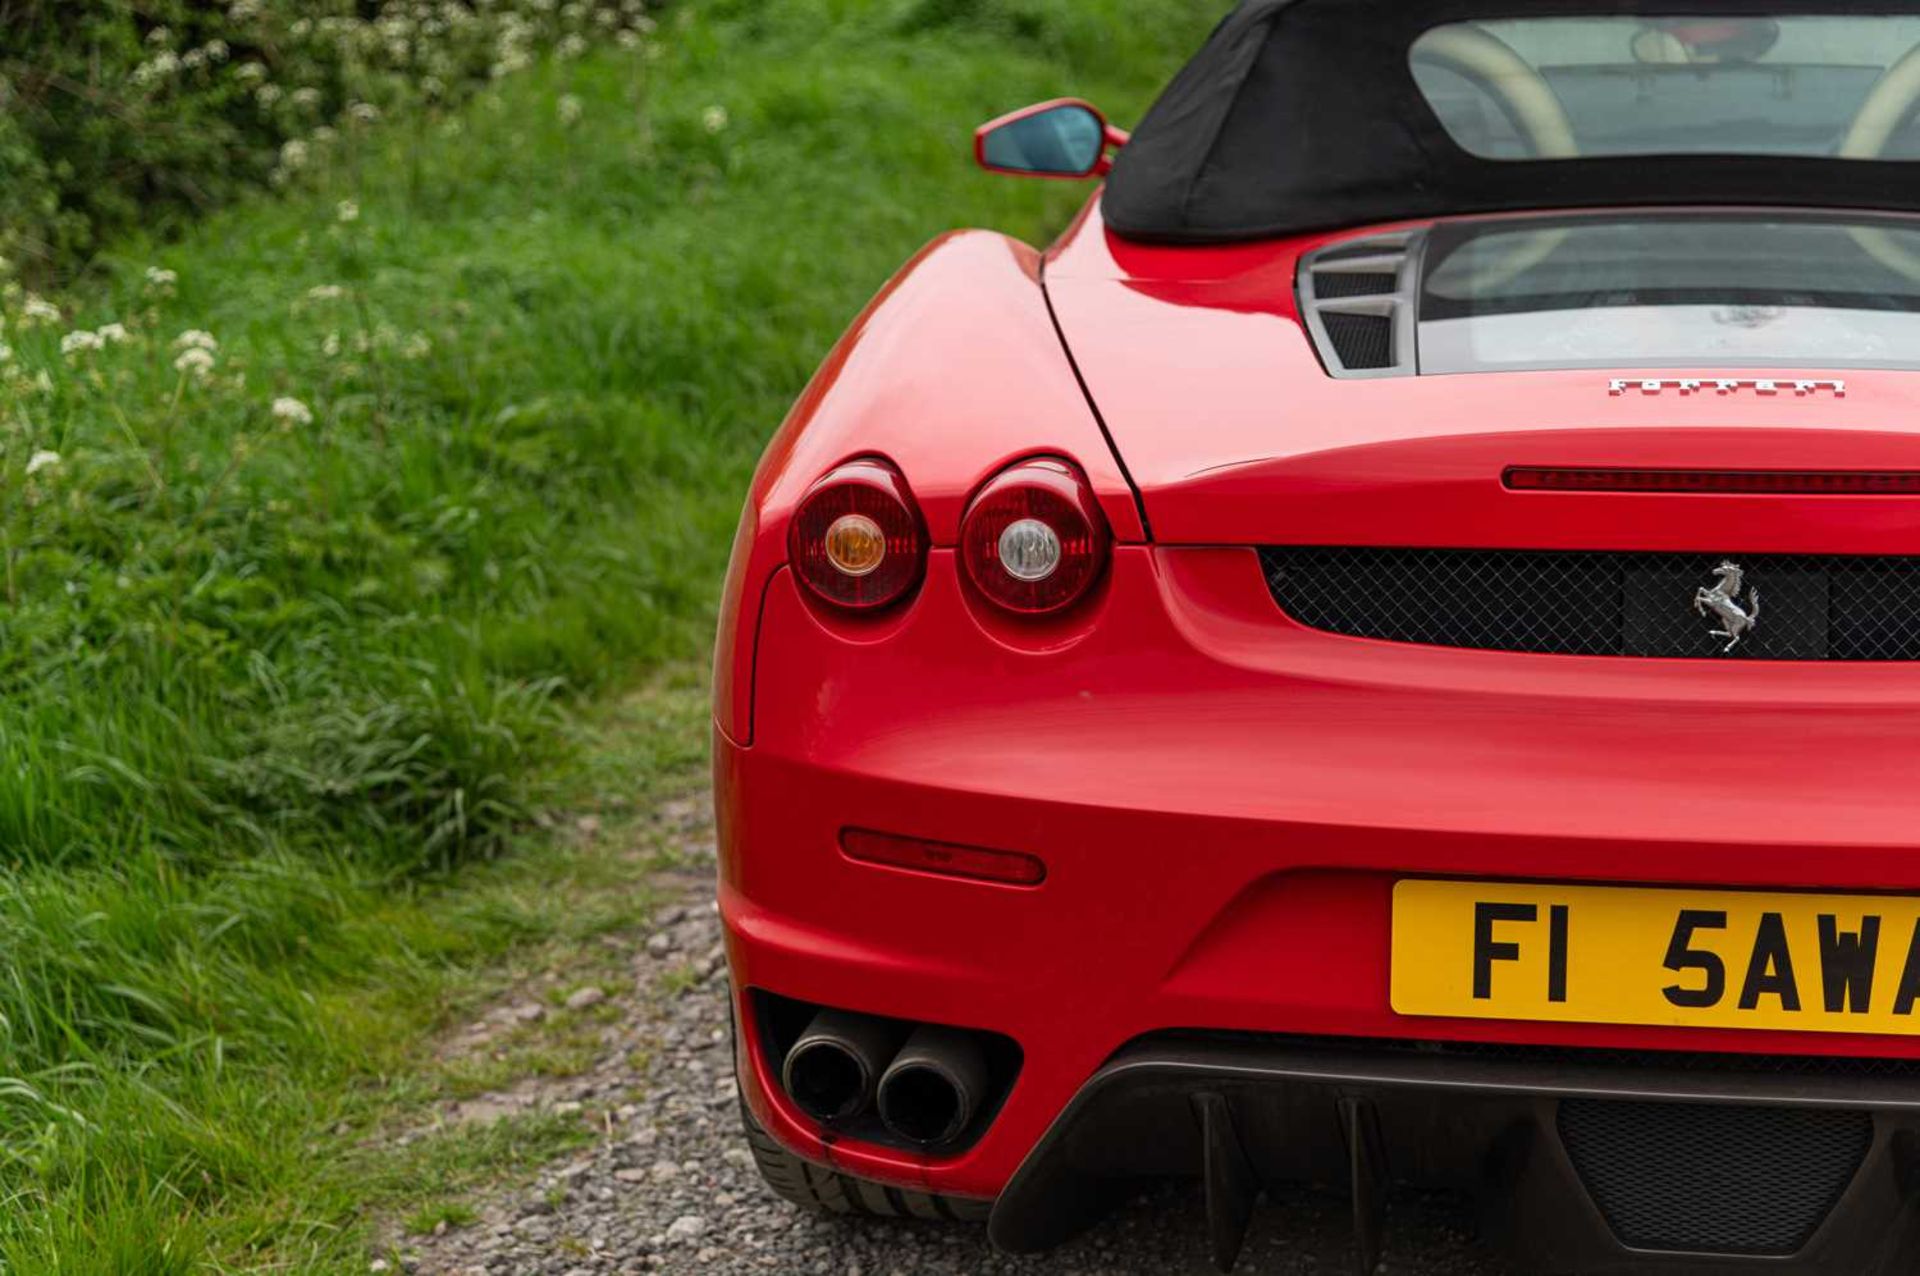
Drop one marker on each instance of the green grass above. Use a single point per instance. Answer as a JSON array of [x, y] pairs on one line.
[[278, 692]]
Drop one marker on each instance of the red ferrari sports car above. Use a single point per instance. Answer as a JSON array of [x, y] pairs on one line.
[[1386, 655]]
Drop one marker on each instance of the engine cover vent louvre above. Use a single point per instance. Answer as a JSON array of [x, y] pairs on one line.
[[1357, 300], [1361, 341], [1333, 285]]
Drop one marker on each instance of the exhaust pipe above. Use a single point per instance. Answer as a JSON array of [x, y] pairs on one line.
[[830, 1071], [932, 1090]]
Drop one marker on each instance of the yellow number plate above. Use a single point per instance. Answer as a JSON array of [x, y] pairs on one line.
[[1604, 954]]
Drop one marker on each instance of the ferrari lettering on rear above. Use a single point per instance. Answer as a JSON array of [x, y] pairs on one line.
[[1800, 386]]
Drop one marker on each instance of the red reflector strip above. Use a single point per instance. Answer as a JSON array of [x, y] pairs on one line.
[[1764, 482], [922, 856]]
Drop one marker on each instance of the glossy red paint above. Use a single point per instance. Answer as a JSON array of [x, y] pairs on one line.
[[952, 373], [1288, 455], [1223, 798]]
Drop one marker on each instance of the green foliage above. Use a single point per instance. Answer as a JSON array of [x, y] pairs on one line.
[[114, 114], [321, 526]]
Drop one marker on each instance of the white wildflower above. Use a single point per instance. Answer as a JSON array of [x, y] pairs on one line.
[[36, 309], [569, 109], [572, 46], [268, 94], [250, 72], [243, 10], [160, 281], [192, 59], [306, 99], [163, 64], [293, 154], [79, 341], [292, 411], [323, 136], [159, 35], [363, 112], [6, 353], [196, 339], [194, 362], [627, 39], [110, 333], [216, 50], [42, 460], [301, 28], [347, 211], [715, 118], [418, 346], [330, 344], [326, 292]]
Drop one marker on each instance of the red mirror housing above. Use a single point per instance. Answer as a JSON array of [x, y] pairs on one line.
[[1065, 138]]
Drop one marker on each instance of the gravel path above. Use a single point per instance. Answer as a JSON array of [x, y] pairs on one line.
[[669, 1185]]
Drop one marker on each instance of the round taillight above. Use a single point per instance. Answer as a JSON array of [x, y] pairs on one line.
[[1033, 540], [856, 540]]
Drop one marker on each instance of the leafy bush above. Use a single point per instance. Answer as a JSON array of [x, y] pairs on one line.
[[114, 114]]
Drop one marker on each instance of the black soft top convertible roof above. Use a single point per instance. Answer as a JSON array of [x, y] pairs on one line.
[[1303, 115]]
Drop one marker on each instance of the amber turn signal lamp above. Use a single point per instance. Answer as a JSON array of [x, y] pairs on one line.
[[972, 862], [856, 540]]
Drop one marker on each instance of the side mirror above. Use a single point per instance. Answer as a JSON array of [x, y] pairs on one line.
[[1064, 138]]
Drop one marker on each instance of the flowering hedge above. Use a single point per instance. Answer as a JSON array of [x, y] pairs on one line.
[[112, 114]]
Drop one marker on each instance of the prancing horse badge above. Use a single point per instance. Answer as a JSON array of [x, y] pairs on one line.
[[1723, 601]]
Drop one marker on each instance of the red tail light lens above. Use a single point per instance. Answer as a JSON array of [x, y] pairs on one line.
[[1033, 540], [856, 541]]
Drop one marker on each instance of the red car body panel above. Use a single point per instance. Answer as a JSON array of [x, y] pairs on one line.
[[952, 372], [1223, 797], [1209, 384]]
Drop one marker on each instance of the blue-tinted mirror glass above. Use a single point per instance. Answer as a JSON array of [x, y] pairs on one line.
[[1066, 140]]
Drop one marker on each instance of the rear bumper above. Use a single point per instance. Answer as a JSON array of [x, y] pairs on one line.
[[1813, 1169], [1224, 800]]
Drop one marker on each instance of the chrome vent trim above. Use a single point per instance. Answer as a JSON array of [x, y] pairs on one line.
[[1327, 287]]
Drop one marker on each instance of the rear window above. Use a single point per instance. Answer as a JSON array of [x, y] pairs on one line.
[[1545, 88], [1675, 290]]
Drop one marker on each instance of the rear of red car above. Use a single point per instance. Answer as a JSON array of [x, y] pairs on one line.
[[1425, 703]]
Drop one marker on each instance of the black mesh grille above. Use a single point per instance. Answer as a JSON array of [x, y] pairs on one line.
[[1813, 607], [1362, 248], [1361, 341], [1342, 283], [1713, 1178]]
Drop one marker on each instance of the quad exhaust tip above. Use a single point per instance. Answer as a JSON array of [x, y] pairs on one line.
[[932, 1089], [832, 1069], [887, 1080]]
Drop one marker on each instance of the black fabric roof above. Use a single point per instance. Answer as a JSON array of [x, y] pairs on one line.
[[1302, 115]]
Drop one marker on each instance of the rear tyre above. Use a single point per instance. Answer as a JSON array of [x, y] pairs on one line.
[[825, 1191]]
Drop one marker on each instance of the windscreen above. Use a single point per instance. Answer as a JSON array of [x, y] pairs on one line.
[[1815, 86], [1673, 290]]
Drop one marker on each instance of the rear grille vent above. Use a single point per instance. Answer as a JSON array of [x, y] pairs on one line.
[[1813, 607], [1358, 305], [1361, 341], [1711, 1178]]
